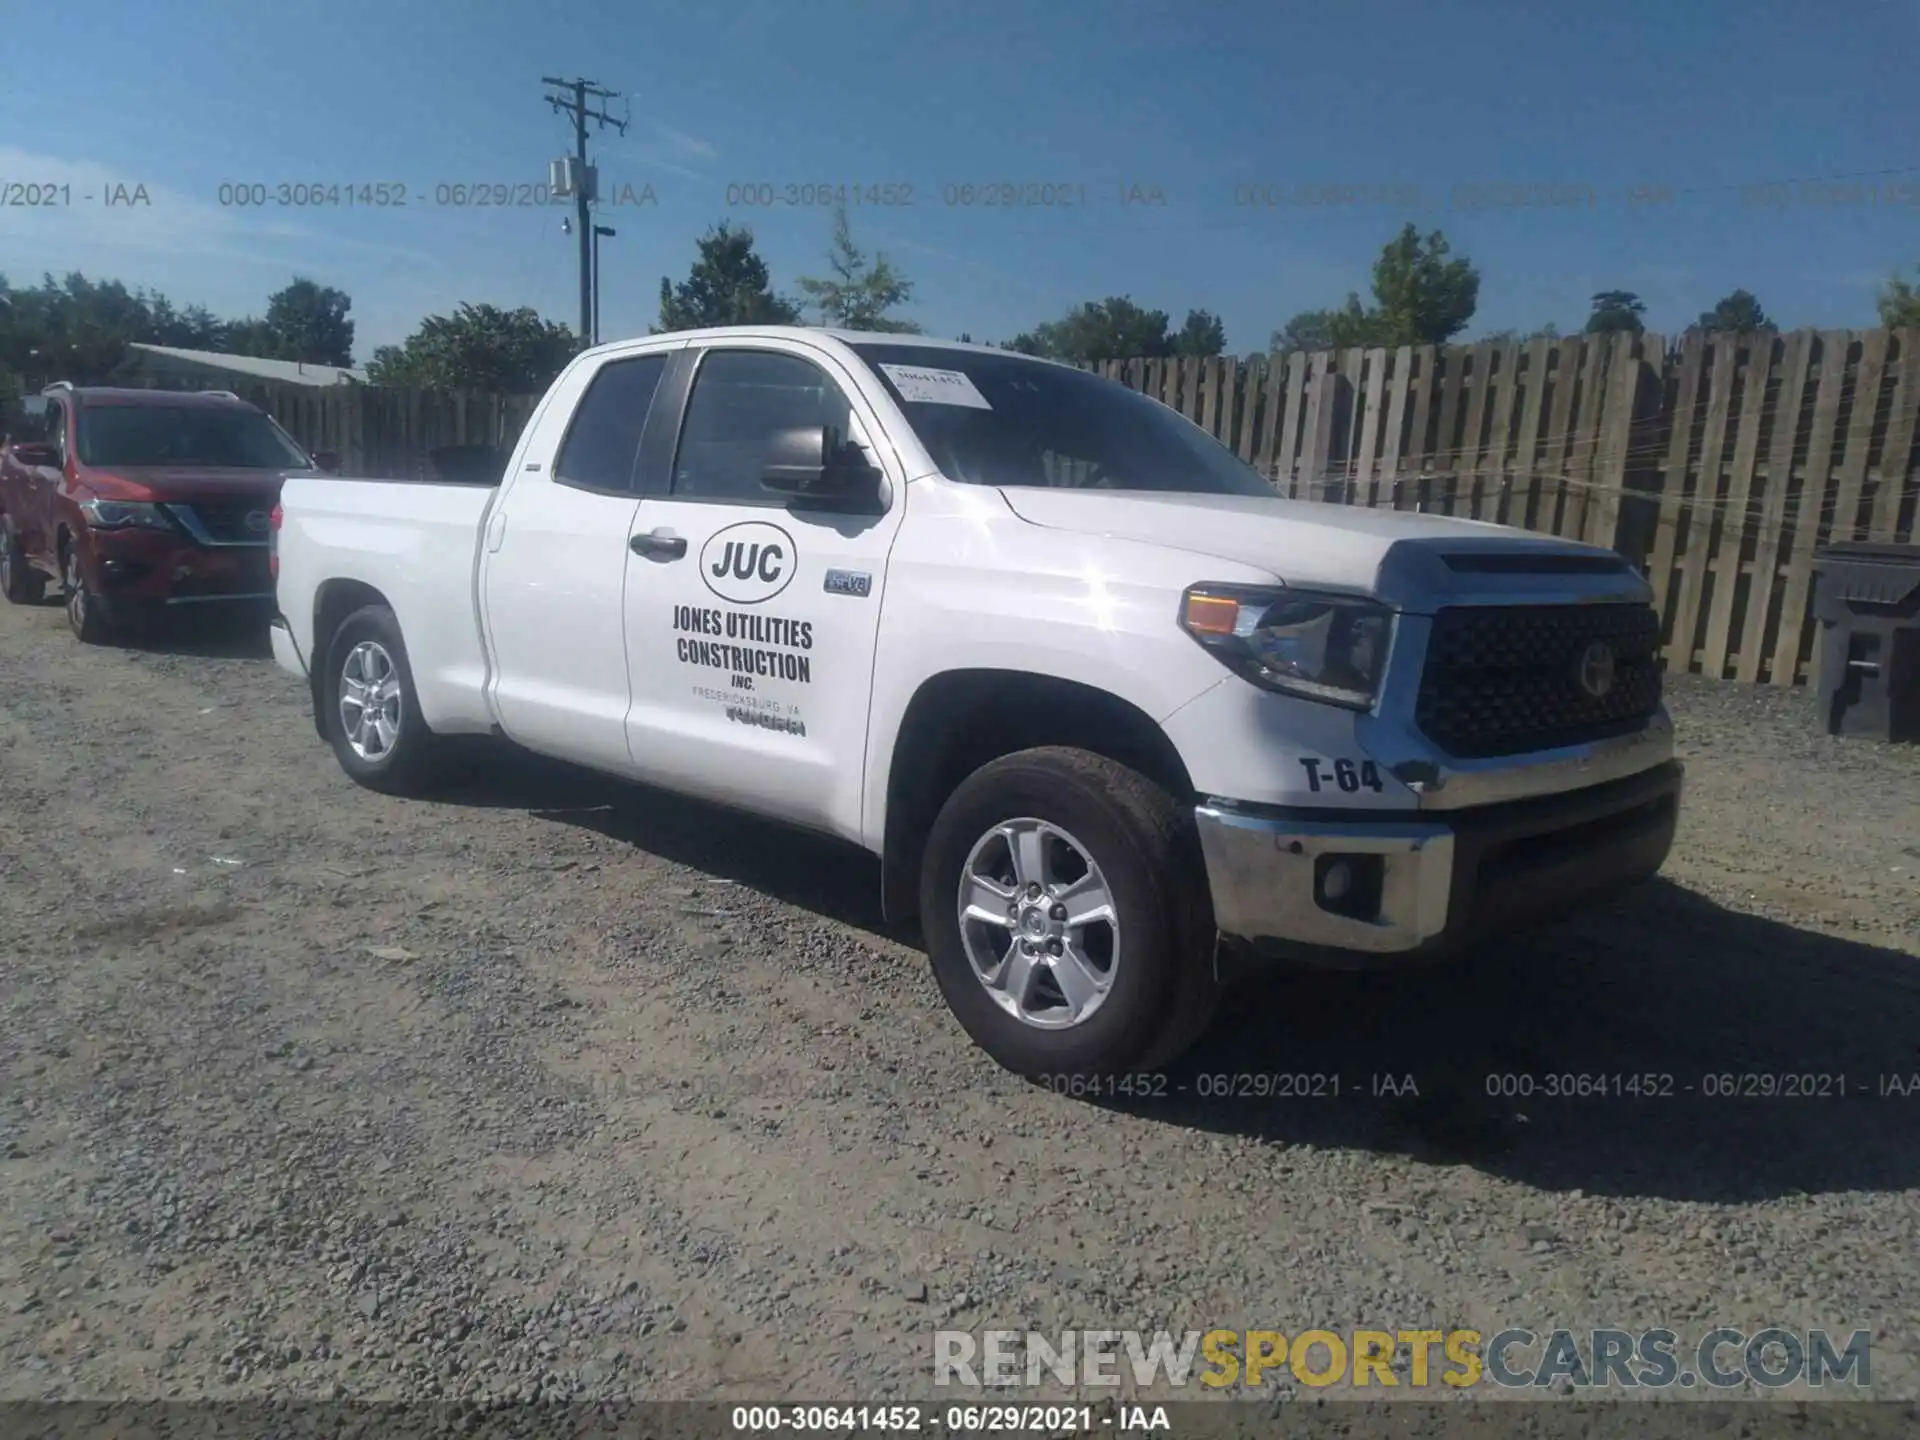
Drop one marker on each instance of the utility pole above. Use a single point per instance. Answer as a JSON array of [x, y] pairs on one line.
[[574, 102], [598, 231]]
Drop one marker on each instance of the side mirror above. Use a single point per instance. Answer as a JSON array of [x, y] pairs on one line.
[[814, 463], [33, 452], [328, 460]]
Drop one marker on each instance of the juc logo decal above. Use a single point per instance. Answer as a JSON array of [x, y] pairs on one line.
[[749, 562]]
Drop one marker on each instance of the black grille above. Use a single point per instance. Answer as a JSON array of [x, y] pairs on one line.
[[1502, 680], [226, 520]]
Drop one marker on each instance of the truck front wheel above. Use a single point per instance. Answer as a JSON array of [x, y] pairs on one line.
[[1066, 916], [372, 710]]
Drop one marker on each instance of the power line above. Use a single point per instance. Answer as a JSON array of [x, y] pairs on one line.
[[573, 102]]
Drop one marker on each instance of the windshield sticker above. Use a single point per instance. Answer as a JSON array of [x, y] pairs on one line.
[[920, 386]]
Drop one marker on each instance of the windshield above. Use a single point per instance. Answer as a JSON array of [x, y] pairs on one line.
[[989, 419], [198, 435]]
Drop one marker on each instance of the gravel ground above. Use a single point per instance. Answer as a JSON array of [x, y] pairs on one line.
[[564, 1088]]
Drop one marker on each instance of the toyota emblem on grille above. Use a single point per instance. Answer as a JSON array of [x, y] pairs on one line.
[[1596, 669], [257, 521]]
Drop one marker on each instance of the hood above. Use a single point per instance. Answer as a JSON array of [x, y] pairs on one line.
[[1412, 561], [166, 483]]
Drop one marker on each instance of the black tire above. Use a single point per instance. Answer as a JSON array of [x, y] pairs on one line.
[[88, 616], [415, 758], [19, 581], [1163, 991]]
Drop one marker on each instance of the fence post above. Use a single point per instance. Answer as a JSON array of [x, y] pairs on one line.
[[1614, 439], [1317, 449]]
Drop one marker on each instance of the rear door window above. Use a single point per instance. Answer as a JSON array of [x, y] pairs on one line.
[[603, 442]]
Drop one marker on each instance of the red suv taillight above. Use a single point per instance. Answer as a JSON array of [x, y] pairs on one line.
[[274, 521]]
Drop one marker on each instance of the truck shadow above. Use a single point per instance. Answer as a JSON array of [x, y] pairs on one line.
[[1662, 992], [814, 872], [1663, 1047], [206, 636]]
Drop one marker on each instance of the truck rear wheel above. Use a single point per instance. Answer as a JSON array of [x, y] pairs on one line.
[[372, 710], [1066, 916]]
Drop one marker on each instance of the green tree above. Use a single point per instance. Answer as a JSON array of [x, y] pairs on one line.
[[306, 321], [1615, 311], [1110, 329], [19, 332], [12, 382], [861, 291], [1202, 334], [728, 285], [72, 329], [79, 329], [478, 347], [1900, 301], [1422, 295], [1738, 312], [194, 328], [251, 336], [1310, 330]]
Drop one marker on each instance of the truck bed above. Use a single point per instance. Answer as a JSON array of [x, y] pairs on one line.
[[415, 545]]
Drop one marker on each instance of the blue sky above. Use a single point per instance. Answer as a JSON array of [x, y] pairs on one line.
[[1442, 113]]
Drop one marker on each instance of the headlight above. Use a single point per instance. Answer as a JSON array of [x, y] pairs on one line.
[[1331, 648], [123, 515]]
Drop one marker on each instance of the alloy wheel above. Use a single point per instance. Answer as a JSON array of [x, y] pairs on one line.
[[1039, 923], [370, 706]]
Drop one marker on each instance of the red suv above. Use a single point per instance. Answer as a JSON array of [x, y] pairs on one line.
[[140, 500]]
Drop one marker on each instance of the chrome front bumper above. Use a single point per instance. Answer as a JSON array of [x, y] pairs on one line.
[[1262, 870], [1445, 878]]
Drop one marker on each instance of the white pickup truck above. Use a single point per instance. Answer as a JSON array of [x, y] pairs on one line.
[[1116, 719]]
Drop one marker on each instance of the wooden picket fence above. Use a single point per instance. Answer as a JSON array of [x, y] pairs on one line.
[[390, 433], [1718, 465]]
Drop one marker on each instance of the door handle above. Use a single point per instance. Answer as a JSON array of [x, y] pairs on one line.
[[659, 545]]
